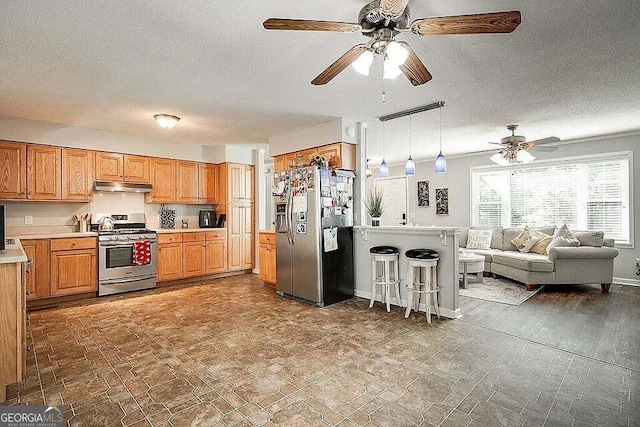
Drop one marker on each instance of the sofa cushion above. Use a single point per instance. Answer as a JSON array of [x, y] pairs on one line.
[[590, 238], [479, 239], [528, 262], [487, 253]]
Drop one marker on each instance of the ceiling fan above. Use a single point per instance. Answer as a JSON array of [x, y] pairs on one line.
[[382, 20], [515, 148]]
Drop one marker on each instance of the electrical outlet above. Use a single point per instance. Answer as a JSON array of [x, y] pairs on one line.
[[28, 220]]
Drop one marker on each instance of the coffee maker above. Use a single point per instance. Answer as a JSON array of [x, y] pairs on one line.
[[207, 218]]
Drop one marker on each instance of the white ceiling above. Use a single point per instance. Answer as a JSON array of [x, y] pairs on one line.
[[571, 69]]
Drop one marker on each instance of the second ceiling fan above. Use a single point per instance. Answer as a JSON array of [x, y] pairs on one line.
[[382, 20]]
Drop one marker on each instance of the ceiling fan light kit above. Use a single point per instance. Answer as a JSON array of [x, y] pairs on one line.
[[515, 148], [382, 21], [166, 121]]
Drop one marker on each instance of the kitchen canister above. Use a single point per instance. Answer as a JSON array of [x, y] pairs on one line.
[[167, 217]]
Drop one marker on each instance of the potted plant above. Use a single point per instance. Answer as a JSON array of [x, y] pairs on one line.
[[375, 206]]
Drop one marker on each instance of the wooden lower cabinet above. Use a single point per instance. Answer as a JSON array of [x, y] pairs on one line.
[[194, 259], [191, 254], [73, 272], [267, 259], [169, 261], [38, 269], [13, 337]]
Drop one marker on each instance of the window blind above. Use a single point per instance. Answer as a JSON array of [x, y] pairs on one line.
[[585, 194]]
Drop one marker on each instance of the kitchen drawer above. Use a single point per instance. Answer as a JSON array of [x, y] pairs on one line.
[[193, 237], [268, 238], [169, 238], [216, 235], [72, 244]]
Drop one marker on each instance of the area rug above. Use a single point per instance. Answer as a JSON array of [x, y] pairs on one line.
[[500, 290]]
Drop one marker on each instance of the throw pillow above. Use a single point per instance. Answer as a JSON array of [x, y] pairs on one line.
[[479, 239], [563, 238], [520, 240], [540, 247]]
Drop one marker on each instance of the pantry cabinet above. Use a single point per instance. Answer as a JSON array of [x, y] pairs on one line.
[[13, 167], [44, 172]]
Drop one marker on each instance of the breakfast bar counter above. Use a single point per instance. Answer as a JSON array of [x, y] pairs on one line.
[[444, 240]]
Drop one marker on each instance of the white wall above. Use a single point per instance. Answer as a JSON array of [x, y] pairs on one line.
[[25, 130], [314, 136], [457, 180]]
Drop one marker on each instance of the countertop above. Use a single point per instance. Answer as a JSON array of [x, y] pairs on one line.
[[267, 231], [407, 228], [13, 253], [186, 230], [55, 235]]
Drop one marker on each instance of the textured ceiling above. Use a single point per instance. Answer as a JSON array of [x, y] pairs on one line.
[[569, 70]]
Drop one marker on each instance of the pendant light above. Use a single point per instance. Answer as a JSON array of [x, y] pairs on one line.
[[441, 161], [383, 170], [410, 166]]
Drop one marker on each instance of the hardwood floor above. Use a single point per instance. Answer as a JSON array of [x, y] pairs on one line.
[[579, 319]]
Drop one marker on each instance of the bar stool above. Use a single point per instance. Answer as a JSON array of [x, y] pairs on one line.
[[382, 258], [422, 263]]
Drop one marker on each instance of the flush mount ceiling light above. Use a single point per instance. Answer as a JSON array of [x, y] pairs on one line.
[[167, 121], [382, 21]]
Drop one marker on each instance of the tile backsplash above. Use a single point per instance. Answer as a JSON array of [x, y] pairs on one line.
[[60, 215]]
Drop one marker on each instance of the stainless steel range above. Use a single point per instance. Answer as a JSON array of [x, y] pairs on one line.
[[127, 253]]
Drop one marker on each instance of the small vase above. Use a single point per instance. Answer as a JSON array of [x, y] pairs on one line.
[[375, 221]]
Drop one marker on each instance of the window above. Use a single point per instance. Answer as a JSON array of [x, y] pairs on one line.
[[584, 193]]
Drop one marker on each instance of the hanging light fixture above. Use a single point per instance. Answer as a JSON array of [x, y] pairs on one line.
[[383, 170], [410, 166], [441, 161]]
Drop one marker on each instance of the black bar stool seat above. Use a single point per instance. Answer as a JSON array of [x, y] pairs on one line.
[[426, 254], [384, 250]]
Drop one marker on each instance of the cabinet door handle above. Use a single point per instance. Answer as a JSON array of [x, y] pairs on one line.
[[28, 292]]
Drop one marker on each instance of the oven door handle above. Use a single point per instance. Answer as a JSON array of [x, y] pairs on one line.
[[127, 279], [121, 245]]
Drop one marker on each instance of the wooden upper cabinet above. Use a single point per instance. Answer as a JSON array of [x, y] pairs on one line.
[[208, 178], [109, 166], [187, 191], [164, 181], [279, 163], [136, 168], [44, 180], [77, 174], [339, 155], [13, 170]]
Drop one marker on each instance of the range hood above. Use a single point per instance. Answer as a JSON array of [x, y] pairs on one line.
[[121, 187]]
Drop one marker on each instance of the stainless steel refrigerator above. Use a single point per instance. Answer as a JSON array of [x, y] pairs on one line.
[[314, 234]]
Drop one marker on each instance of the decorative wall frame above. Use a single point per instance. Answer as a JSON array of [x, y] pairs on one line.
[[423, 194], [442, 201]]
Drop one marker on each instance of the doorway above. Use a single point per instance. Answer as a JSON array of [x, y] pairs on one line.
[[394, 196]]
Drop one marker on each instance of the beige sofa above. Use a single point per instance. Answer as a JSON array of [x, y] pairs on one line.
[[591, 262]]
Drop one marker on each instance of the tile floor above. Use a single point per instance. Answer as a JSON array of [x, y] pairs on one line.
[[231, 352]]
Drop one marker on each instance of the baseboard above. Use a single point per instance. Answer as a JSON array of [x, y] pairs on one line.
[[626, 282], [444, 312]]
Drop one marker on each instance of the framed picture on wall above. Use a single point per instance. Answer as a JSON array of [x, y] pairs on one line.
[[423, 194], [442, 201]]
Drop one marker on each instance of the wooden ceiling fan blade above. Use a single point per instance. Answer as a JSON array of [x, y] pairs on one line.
[[414, 69], [310, 25], [543, 148], [550, 140], [337, 67], [393, 7], [483, 23]]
